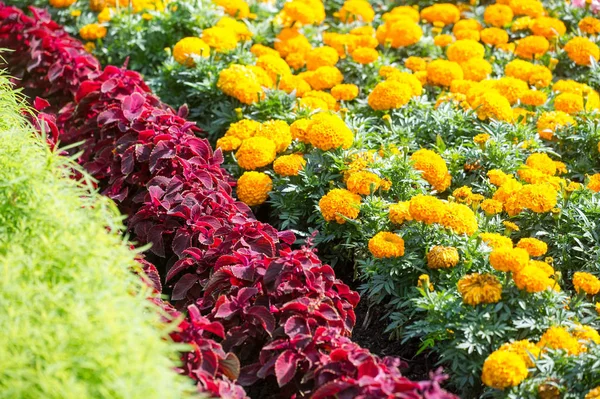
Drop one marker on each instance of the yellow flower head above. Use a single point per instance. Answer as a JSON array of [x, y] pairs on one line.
[[256, 152], [92, 32], [498, 15], [221, 39], [530, 8], [61, 3], [548, 27], [276, 131], [339, 204], [299, 129], [235, 8], [356, 10], [525, 349], [389, 95], [400, 212], [365, 55], [399, 33], [476, 69], [440, 257], [534, 98], [444, 13], [464, 50], [532, 279], [433, 168], [569, 103], [415, 64], [344, 92], [386, 245], [496, 240], [494, 36], [549, 122], [274, 65], [321, 56], [325, 77], [289, 165], [507, 259], [491, 207], [589, 25], [253, 188], [327, 131], [443, 40], [533, 246], [243, 83], [479, 288], [541, 162], [443, 72], [503, 369], [532, 47], [582, 50], [460, 219], [586, 282], [427, 209], [290, 83], [363, 182], [188, 47], [559, 338]]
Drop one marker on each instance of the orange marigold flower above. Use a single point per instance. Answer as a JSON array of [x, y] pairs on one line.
[[365, 55], [363, 182], [532, 47], [478, 288], [594, 183], [582, 50], [400, 212], [325, 77], [496, 240], [586, 282], [344, 92], [299, 129], [274, 65], [221, 39], [476, 69], [399, 33], [440, 257], [356, 10], [541, 162], [241, 82], [498, 15], [549, 122], [569, 103], [444, 13], [278, 132], [255, 152], [533, 246], [559, 338], [524, 348], [415, 63], [443, 72], [434, 168], [532, 279], [589, 25], [188, 47], [292, 83], [289, 165], [460, 219], [339, 204], [62, 3], [464, 50], [443, 40], [427, 209], [235, 8], [328, 131], [389, 95], [494, 36], [386, 245], [534, 98], [530, 8], [507, 259], [321, 56], [253, 188], [92, 32]]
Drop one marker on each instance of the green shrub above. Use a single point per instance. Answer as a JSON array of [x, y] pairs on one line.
[[76, 322]]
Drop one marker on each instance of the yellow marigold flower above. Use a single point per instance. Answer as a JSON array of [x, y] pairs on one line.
[[401, 12], [507, 259], [321, 56], [92, 32], [467, 34], [589, 25], [399, 33], [525, 349], [494, 36], [463, 194], [228, 143], [549, 122], [460, 219], [491, 207], [434, 168], [496, 240], [479, 288], [498, 15], [289, 165], [76, 13], [532, 47], [386, 245], [539, 198], [594, 183], [464, 50], [476, 69], [586, 333], [427, 209], [481, 138], [415, 63], [90, 47], [466, 24], [409, 79], [443, 40], [292, 83], [255, 152], [507, 190], [344, 92], [339, 204], [400, 212], [243, 129], [424, 282], [106, 15], [548, 27], [443, 72], [559, 338], [356, 10], [387, 70], [235, 8], [569, 86], [540, 76], [363, 182], [503, 369], [253, 188], [299, 129], [328, 132], [519, 69], [569, 103], [303, 12], [259, 49], [240, 29], [530, 8], [61, 3], [290, 41], [461, 86], [511, 88], [521, 24], [534, 98], [445, 13], [440, 257], [586, 282], [278, 132], [329, 100], [582, 50], [421, 76], [593, 394], [541, 162], [510, 226], [188, 47], [532, 279], [533, 246], [295, 60], [274, 65], [221, 39], [325, 77], [241, 82], [493, 105], [365, 55], [389, 95]]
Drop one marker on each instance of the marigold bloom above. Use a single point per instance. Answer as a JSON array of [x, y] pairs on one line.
[[494, 36], [415, 63], [440, 257], [92, 32], [548, 27], [445, 13], [400, 212], [539, 198], [241, 31], [365, 55], [289, 165], [235, 8], [496, 240], [491, 207], [464, 50], [313, 103], [549, 122], [479, 288], [259, 49], [427, 209], [503, 369], [507, 259], [356, 10], [399, 33], [530, 8], [276, 131], [586, 334], [255, 153], [594, 183], [242, 83], [524, 348], [434, 168], [510, 88], [386, 245], [569, 103], [253, 188], [443, 72], [344, 92], [532, 47], [291, 41], [532, 279], [534, 98], [498, 15], [443, 40], [363, 182], [327, 131], [582, 50], [325, 77], [243, 129], [187, 47], [292, 83], [321, 56], [460, 219], [586, 282], [303, 12], [493, 105], [541, 162], [274, 65], [593, 394], [533, 246], [389, 95], [589, 25], [416, 88], [476, 69], [221, 39], [299, 129], [339, 204], [559, 338]]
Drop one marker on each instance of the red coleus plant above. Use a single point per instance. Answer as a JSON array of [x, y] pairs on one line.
[[280, 310]]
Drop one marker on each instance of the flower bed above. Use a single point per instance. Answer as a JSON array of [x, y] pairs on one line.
[[284, 313]]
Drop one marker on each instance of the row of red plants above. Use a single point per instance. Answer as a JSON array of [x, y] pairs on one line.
[[250, 298]]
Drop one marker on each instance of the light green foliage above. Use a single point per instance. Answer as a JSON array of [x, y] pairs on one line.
[[76, 322]]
